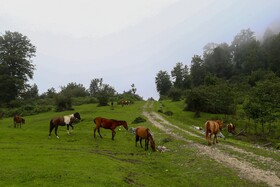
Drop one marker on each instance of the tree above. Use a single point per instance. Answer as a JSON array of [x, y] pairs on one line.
[[74, 90], [263, 104], [238, 46], [163, 82], [31, 93], [198, 72], [178, 73], [219, 62], [16, 66], [104, 93], [95, 86]]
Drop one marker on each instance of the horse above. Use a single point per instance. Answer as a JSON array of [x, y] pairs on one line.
[[18, 120], [231, 128], [62, 121], [144, 133], [108, 124], [213, 127]]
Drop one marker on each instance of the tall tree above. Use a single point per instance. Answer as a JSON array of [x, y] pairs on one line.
[[178, 73], [16, 68], [163, 82], [95, 86], [198, 72], [239, 45], [219, 61]]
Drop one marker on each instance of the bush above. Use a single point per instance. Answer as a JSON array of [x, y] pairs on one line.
[[62, 103], [139, 120], [168, 113], [217, 99]]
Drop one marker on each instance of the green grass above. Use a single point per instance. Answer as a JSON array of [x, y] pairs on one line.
[[29, 158]]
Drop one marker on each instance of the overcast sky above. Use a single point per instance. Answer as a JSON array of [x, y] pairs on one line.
[[126, 41]]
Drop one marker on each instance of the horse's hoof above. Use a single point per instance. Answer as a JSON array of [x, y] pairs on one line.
[[57, 137], [49, 137]]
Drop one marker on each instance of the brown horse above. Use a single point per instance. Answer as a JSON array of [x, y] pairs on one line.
[[144, 133], [213, 127], [62, 121], [108, 124], [18, 120], [231, 128]]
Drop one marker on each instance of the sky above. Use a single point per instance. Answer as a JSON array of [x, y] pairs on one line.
[[126, 42]]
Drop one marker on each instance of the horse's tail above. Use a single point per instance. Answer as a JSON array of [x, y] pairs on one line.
[[94, 120]]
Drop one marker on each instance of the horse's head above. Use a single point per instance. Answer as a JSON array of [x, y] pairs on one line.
[[22, 120], [152, 142], [220, 122], [77, 115], [124, 124]]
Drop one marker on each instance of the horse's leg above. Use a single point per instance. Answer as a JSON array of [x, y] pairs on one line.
[[94, 132], [113, 134], [56, 127], [136, 140], [68, 129], [51, 128], [99, 132], [215, 139], [72, 128], [141, 142], [146, 144]]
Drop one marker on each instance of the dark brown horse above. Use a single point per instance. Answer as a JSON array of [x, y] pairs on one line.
[[144, 133], [62, 121], [108, 124], [213, 127], [18, 120]]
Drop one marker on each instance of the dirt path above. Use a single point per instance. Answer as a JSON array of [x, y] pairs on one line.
[[246, 169]]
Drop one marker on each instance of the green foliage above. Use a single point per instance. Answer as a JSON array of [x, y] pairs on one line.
[[175, 94], [217, 99], [163, 82], [62, 103], [138, 120], [16, 66], [74, 90], [262, 104]]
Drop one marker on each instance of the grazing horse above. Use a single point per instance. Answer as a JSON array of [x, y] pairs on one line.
[[231, 128], [62, 121], [213, 127], [18, 120], [144, 133], [108, 124]]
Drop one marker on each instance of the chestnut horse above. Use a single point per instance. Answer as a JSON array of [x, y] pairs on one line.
[[213, 127], [62, 121], [18, 120], [144, 133], [108, 124]]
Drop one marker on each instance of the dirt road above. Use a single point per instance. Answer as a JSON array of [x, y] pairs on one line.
[[246, 168]]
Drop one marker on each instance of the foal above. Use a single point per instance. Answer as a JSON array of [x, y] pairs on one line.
[[144, 133]]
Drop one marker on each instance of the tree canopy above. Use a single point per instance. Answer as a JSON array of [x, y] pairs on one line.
[[16, 67]]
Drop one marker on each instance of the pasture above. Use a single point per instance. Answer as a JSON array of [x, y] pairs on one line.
[[29, 158]]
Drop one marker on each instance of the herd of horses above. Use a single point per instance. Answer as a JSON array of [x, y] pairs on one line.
[[212, 127]]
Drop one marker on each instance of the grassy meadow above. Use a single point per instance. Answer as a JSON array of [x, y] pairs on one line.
[[29, 158]]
